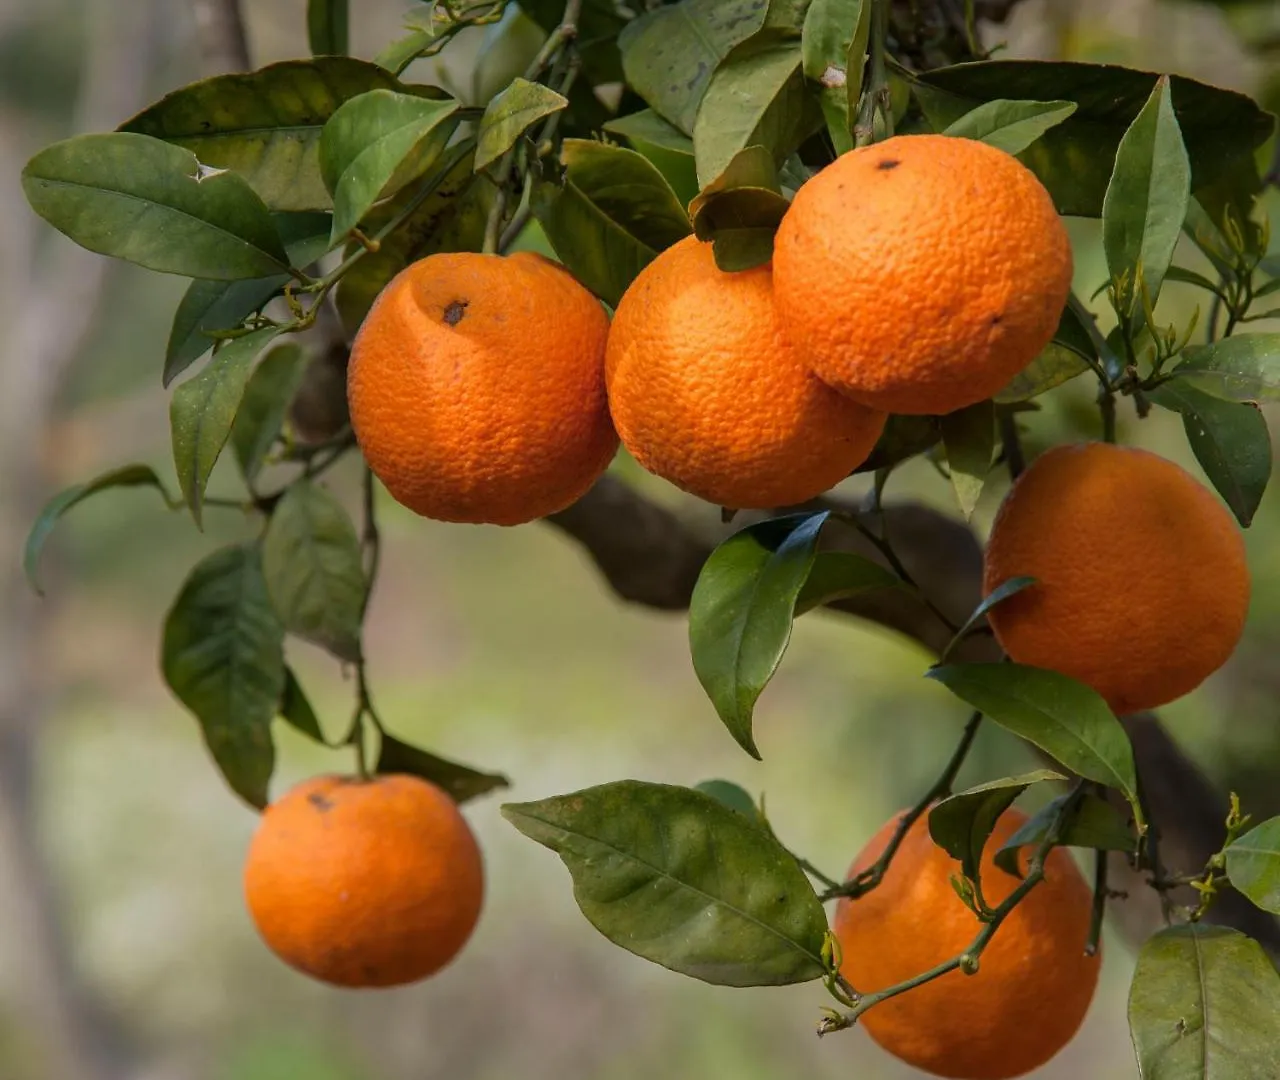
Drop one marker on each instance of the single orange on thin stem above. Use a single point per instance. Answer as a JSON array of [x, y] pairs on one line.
[[364, 883], [1034, 981], [476, 388]]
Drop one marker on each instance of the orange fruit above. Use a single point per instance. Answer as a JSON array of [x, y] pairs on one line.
[[922, 273], [1034, 982], [1142, 584], [706, 393], [476, 387], [364, 883]]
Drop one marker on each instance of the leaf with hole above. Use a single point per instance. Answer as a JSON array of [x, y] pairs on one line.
[[833, 47], [462, 782], [223, 656], [312, 562], [1230, 440], [510, 114], [1253, 865], [676, 877], [144, 201], [1094, 823], [961, 824], [203, 411], [51, 513], [377, 143], [1066, 719], [1205, 1005]]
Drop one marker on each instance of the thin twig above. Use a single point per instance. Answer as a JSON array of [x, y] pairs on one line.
[[1100, 894]]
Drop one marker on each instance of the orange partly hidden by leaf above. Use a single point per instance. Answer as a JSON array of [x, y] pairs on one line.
[[922, 273], [1034, 982], [706, 393], [476, 388], [364, 883]]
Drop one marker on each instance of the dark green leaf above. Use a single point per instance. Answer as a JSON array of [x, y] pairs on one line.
[[998, 595], [296, 710], [628, 189], [265, 124], [212, 305], [741, 224], [311, 558], [1011, 126], [1146, 202], [731, 795], [461, 782], [1230, 440], [1208, 237], [1253, 864], [204, 408], [140, 199], [1065, 718], [1065, 357], [834, 47], [1095, 823], [375, 144], [961, 824], [451, 218], [223, 656], [837, 575], [1074, 160], [904, 437], [260, 417], [1190, 277], [125, 476], [669, 54], [757, 97], [672, 875], [1241, 368], [327, 27], [1205, 1005], [670, 149], [969, 436], [511, 114], [741, 612]]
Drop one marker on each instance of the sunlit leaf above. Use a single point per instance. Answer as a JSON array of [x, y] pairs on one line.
[[510, 114]]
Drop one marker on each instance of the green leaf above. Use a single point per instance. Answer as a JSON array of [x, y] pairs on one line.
[[757, 97], [451, 218], [1205, 1005], [904, 437], [961, 824], [740, 210], [669, 148], [265, 124], [270, 390], [1190, 277], [741, 613], [203, 411], [731, 795], [223, 656], [1095, 823], [315, 578], [1066, 356], [837, 575], [1066, 719], [461, 782], [672, 875], [1010, 126], [670, 53], [153, 204], [628, 188], [510, 114], [1074, 159], [1230, 440], [599, 23], [1146, 202], [296, 710], [834, 49], [969, 436], [212, 305], [1253, 864], [375, 144], [1245, 367], [998, 595], [327, 27], [51, 513]]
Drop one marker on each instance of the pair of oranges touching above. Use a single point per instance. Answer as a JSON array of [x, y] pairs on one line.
[[915, 276]]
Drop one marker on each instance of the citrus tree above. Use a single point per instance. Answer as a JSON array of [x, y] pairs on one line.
[[793, 240]]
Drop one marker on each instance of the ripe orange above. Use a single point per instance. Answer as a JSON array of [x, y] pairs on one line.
[[1142, 585], [922, 273], [1034, 982], [706, 394], [364, 883], [476, 387]]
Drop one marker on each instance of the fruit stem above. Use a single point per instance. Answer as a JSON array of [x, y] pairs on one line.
[[866, 880], [967, 960], [371, 542]]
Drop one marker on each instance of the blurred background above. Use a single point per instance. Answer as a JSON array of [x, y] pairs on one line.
[[125, 949]]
